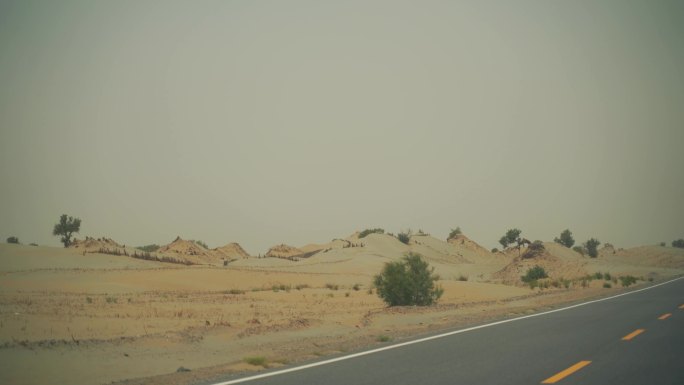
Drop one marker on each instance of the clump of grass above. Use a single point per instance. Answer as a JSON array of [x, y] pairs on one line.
[[256, 361], [111, 300], [598, 275], [234, 291], [332, 286], [383, 338], [302, 286], [607, 276], [356, 287], [277, 288], [89, 300], [607, 285], [627, 280], [346, 294]]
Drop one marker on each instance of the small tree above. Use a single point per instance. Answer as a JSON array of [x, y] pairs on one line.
[[454, 233], [408, 282], [592, 247], [13, 240], [66, 227], [566, 239]]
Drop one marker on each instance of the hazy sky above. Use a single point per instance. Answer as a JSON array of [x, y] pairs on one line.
[[264, 122]]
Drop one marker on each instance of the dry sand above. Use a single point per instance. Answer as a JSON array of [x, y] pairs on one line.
[[86, 318]]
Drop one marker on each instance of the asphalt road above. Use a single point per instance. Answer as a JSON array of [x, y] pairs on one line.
[[532, 350]]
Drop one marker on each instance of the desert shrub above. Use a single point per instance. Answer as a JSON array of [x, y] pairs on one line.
[[404, 237], [662, 244], [607, 276], [13, 239], [495, 250], [149, 248], [536, 248], [678, 243], [592, 247], [383, 338], [565, 239], [607, 285], [256, 361], [627, 280], [356, 287], [302, 286], [366, 232], [462, 277], [66, 227], [409, 281], [598, 275], [579, 249], [454, 233], [534, 273], [111, 300], [332, 286], [198, 242]]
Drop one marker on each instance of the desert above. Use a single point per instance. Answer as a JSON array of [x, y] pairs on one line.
[[96, 313]]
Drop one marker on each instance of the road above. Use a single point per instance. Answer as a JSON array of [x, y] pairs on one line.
[[629, 339]]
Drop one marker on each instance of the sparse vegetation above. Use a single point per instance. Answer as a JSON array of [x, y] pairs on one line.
[[627, 280], [454, 233], [410, 281], [404, 237], [579, 249], [65, 228], [535, 249], [565, 239], [591, 246], [149, 248], [257, 361], [366, 232], [13, 239], [534, 273], [203, 244]]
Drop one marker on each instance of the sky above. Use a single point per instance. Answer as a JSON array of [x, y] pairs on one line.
[[267, 122]]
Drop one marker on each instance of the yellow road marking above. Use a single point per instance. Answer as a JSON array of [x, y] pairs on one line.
[[633, 334], [561, 375], [664, 316]]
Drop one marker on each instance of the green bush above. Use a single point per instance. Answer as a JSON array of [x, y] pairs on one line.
[[566, 239], [408, 282], [455, 232], [404, 237], [534, 273], [627, 280], [366, 232], [607, 285], [607, 276], [14, 240], [598, 275], [495, 250], [678, 243]]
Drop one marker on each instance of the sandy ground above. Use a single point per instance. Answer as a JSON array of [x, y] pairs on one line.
[[66, 317]]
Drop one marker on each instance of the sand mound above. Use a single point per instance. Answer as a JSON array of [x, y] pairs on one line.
[[231, 251], [189, 251], [93, 245], [656, 256], [563, 266], [283, 251], [463, 242]]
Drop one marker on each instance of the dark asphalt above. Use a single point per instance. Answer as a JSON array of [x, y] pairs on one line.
[[530, 350]]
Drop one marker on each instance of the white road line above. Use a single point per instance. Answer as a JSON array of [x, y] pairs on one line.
[[399, 345]]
